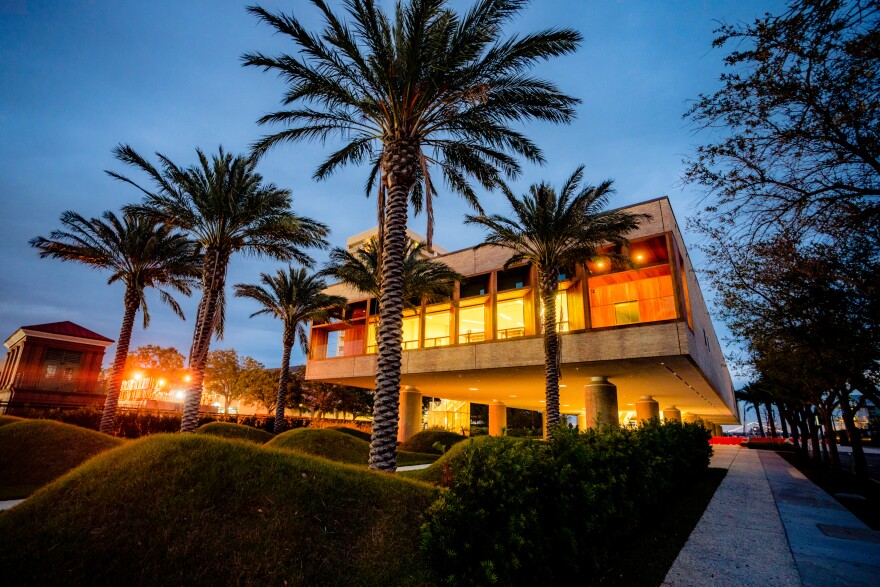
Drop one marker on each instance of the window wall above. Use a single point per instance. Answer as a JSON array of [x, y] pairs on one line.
[[438, 325], [630, 297], [472, 323]]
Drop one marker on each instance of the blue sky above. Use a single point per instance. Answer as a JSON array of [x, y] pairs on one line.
[[81, 76]]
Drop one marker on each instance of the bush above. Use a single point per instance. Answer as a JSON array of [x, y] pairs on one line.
[[425, 440], [522, 512], [338, 446], [4, 420]]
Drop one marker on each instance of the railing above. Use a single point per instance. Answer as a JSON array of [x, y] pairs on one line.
[[511, 333], [472, 337], [436, 341]]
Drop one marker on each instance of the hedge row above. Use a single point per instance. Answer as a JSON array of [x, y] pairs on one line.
[[135, 424], [525, 512]]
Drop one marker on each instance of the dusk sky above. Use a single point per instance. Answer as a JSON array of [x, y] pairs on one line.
[[79, 77]]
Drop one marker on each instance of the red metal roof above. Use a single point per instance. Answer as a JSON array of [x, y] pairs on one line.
[[67, 328]]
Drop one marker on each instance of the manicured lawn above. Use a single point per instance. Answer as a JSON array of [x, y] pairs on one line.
[[235, 432], [35, 452], [338, 446], [196, 509], [425, 440]]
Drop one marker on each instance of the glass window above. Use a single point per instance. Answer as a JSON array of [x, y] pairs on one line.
[[562, 312], [515, 278], [511, 318], [438, 325], [410, 332], [476, 285], [335, 344], [472, 323], [372, 347], [626, 312]]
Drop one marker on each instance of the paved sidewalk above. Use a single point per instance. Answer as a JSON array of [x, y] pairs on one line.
[[769, 525]]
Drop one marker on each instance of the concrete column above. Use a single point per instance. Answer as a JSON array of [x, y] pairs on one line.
[[691, 418], [544, 422], [719, 431], [600, 401], [708, 425], [497, 419], [410, 413], [647, 408], [672, 413], [582, 422]]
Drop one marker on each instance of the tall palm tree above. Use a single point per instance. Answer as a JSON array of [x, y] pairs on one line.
[[428, 89], [552, 232], [139, 253], [422, 277], [224, 205], [296, 298]]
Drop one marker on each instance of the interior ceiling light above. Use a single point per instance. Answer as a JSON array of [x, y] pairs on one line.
[[473, 389]]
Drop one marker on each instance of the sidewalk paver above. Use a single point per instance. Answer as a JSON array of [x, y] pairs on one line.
[[830, 545], [740, 540]]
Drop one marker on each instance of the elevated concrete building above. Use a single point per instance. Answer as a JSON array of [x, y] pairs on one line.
[[636, 343]]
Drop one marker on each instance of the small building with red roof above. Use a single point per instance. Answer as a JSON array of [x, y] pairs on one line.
[[53, 365]]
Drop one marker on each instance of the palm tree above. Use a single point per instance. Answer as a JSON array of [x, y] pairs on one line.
[[223, 204], [139, 253], [422, 277], [553, 232], [430, 89], [296, 298]]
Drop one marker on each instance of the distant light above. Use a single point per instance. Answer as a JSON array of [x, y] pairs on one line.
[[179, 395], [473, 389], [639, 257], [187, 378], [161, 382], [138, 376], [514, 396], [600, 264]]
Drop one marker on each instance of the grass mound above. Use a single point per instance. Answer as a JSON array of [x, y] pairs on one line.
[[425, 440], [235, 432], [35, 452], [193, 509], [338, 446], [352, 431], [439, 469], [4, 420]]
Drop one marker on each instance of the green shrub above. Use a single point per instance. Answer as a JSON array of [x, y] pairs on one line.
[[200, 510], [235, 432], [35, 452], [524, 512], [425, 440]]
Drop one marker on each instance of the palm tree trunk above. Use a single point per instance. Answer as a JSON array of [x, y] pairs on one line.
[[399, 171], [830, 437], [551, 351], [771, 420], [282, 383], [757, 407], [213, 281], [782, 420], [108, 418], [859, 462]]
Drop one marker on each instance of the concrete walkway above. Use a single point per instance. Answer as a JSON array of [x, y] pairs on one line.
[[769, 525]]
